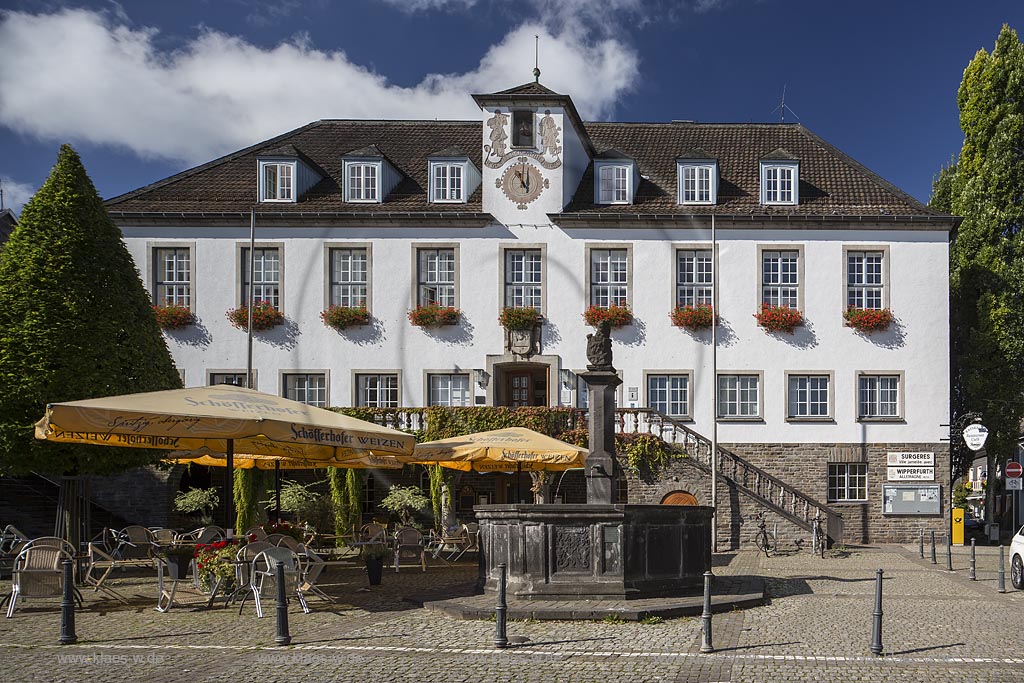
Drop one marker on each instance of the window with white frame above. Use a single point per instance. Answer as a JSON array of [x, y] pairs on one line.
[[738, 396], [613, 181], [779, 183], [266, 280], [878, 396], [449, 390], [234, 378], [369, 493], [308, 388], [697, 183], [693, 277], [377, 390], [523, 279], [847, 481], [173, 283], [669, 394], [448, 182], [278, 182], [363, 180], [808, 396], [349, 273], [780, 278], [865, 287], [609, 277], [436, 277]]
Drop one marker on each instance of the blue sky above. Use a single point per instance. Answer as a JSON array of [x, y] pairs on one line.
[[146, 89]]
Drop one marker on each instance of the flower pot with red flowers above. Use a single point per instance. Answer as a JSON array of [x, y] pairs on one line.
[[617, 316], [343, 317], [173, 316], [264, 316], [699, 317], [433, 315], [868, 320], [779, 318], [519, 318]]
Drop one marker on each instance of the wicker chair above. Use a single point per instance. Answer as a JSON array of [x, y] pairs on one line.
[[135, 544], [409, 546], [38, 573]]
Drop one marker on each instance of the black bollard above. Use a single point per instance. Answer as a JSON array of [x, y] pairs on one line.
[[1002, 571], [876, 627], [705, 617], [283, 637], [500, 612], [933, 547], [949, 552], [67, 607], [973, 574], [920, 543]]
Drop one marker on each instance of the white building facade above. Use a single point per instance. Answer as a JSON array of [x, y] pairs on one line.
[[532, 207]]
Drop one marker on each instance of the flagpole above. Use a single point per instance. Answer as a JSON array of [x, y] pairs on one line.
[[714, 387], [251, 299]]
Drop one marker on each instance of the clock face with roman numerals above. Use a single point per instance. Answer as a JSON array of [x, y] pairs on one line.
[[522, 182]]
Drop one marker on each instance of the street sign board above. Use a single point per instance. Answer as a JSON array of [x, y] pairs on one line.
[[975, 436], [1014, 484], [1014, 470], [918, 458], [911, 473]]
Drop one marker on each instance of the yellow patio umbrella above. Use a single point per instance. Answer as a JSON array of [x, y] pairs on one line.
[[222, 419], [514, 449]]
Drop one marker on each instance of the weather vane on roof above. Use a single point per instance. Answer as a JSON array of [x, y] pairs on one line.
[[536, 59], [783, 107]]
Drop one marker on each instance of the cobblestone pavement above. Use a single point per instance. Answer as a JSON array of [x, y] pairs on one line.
[[938, 626]]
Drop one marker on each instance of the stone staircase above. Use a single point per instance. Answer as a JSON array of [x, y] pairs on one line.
[[767, 490], [30, 504]]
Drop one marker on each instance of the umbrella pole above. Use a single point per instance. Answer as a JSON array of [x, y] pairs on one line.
[[277, 490], [519, 471], [229, 515]]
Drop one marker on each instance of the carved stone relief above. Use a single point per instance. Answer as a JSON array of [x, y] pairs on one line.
[[572, 549], [497, 153]]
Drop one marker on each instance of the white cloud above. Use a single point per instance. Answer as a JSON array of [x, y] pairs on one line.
[[85, 76], [424, 5], [16, 194]]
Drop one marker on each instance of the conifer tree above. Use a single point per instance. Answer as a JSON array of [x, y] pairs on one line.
[[75, 323], [986, 187]]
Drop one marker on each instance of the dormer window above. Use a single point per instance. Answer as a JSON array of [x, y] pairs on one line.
[[698, 182], [780, 182], [362, 181], [522, 129], [447, 182], [615, 181], [277, 181]]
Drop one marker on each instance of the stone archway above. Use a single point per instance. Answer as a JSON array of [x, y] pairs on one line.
[[679, 498]]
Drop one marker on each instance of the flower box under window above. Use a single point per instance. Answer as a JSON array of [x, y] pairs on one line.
[[173, 316], [617, 316], [699, 317], [519, 318], [343, 317], [868, 320], [433, 315], [264, 316], [779, 318]]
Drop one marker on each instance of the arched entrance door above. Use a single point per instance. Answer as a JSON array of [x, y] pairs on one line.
[[679, 498]]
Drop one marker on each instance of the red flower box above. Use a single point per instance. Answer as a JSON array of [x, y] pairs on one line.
[[341, 317], [617, 316], [433, 315], [867, 319], [173, 316], [264, 316], [518, 318], [779, 318], [696, 317]]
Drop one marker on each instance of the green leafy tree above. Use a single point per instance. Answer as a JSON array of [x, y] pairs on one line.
[[75, 323], [986, 187]]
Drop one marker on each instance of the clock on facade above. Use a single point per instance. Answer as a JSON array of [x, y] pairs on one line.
[[522, 182]]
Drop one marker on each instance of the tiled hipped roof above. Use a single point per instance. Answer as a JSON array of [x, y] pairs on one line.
[[831, 183]]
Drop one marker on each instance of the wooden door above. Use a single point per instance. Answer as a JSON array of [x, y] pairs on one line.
[[520, 389], [679, 498]]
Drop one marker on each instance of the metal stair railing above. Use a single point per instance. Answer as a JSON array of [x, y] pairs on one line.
[[768, 489]]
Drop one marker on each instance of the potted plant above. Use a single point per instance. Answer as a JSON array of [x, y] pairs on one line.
[[264, 316], [434, 315], [696, 317], [343, 317], [867, 320], [779, 318], [215, 564], [198, 502], [178, 559], [374, 556], [173, 316], [519, 318], [617, 316], [403, 501]]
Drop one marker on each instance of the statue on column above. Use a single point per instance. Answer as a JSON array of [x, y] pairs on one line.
[[599, 348]]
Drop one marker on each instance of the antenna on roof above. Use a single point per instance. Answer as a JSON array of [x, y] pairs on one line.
[[1, 194], [783, 107], [536, 59]]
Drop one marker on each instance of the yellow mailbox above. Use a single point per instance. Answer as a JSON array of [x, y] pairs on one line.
[[958, 525]]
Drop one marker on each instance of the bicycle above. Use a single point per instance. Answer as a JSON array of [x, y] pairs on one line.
[[764, 542], [818, 530]]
